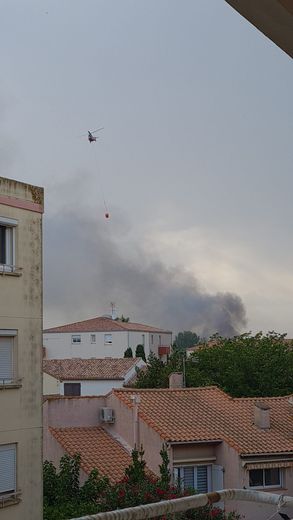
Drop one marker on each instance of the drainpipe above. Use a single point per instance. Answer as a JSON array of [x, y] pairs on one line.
[[136, 437]]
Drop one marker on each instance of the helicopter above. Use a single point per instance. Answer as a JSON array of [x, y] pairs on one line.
[[92, 138]]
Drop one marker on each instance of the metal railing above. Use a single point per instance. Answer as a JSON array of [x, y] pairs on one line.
[[178, 505], [10, 268], [12, 497]]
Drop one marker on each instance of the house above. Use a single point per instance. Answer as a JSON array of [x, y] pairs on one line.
[[88, 376], [104, 337], [214, 441], [21, 209]]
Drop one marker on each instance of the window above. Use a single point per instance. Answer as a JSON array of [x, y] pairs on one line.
[[75, 338], [195, 477], [268, 477], [152, 339], [7, 244], [7, 469], [93, 338], [160, 341], [7, 364], [107, 339], [71, 389], [143, 339]]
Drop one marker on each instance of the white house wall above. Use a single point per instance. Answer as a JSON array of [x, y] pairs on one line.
[[51, 385], [59, 345], [96, 388]]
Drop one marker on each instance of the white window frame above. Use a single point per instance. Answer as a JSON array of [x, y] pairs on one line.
[[108, 339], [6, 493], [264, 486], [179, 475], [74, 338], [10, 333], [93, 338], [10, 224]]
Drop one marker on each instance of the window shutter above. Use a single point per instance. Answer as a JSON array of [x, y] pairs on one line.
[[188, 478], [6, 359], [202, 479], [218, 481], [8, 469]]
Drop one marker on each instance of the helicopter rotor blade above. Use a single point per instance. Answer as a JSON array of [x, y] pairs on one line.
[[98, 129]]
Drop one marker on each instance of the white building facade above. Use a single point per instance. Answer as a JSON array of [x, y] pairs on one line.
[[103, 337]]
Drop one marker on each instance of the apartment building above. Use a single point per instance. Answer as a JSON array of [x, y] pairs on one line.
[[21, 209], [104, 337]]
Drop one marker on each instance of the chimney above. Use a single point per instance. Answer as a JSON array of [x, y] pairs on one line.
[[262, 415], [176, 380]]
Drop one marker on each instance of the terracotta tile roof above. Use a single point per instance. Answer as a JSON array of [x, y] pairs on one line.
[[77, 368], [208, 414], [97, 449], [105, 324]]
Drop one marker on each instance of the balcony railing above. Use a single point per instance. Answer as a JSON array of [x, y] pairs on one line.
[[280, 503]]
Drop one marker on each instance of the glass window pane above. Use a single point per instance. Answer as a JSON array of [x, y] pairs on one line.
[[272, 477], [256, 477]]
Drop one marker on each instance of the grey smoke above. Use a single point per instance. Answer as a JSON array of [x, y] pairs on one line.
[[87, 266]]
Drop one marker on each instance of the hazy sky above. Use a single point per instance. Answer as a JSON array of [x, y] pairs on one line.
[[195, 161]]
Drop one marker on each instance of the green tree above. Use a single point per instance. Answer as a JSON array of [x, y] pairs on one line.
[[136, 470], [123, 319], [243, 366], [139, 352], [165, 475], [155, 376], [247, 365], [128, 352], [186, 339], [63, 496]]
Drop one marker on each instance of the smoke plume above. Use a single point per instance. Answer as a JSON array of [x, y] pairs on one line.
[[87, 266]]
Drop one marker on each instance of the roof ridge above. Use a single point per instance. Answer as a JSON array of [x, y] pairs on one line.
[[161, 390]]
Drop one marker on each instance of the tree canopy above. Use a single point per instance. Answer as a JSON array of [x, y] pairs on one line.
[[139, 352], [244, 366], [186, 339]]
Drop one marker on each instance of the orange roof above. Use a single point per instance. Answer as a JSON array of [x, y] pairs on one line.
[[208, 414], [77, 368], [97, 449], [105, 324]]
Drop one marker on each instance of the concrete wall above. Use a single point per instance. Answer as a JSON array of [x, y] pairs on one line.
[[21, 310], [94, 387], [51, 385], [59, 345]]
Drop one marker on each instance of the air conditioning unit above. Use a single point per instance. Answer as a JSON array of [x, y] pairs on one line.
[[107, 415]]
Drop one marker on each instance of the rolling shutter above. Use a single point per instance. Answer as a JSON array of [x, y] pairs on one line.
[[188, 477], [6, 370], [8, 468], [201, 479]]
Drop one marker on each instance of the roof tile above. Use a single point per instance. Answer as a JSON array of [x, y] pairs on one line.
[[208, 414], [78, 368], [105, 324], [98, 450]]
